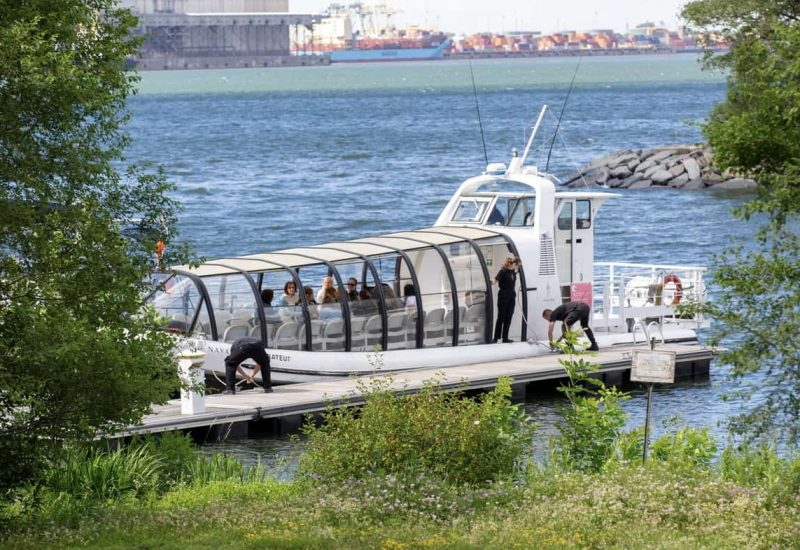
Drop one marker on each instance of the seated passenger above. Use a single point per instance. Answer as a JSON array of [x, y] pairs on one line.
[[365, 306], [329, 308], [313, 308], [267, 295], [327, 283], [352, 290], [410, 300], [392, 302], [290, 296]]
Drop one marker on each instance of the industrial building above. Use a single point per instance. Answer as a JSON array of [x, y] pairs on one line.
[[207, 34]]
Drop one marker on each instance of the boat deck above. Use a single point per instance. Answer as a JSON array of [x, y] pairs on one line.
[[294, 400]]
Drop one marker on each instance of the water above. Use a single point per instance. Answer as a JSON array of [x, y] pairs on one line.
[[272, 158]]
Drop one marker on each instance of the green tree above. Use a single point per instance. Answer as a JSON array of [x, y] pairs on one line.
[[74, 356], [756, 131]]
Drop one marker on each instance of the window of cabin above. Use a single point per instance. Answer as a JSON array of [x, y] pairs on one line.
[[565, 217], [583, 214], [470, 210], [521, 212]]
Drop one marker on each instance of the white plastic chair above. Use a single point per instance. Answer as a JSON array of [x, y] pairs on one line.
[[333, 335], [434, 327], [235, 332], [286, 336]]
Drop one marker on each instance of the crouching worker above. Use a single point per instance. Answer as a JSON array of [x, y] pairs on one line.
[[569, 313], [242, 349]]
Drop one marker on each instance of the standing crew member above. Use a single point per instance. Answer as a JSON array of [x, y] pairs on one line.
[[569, 313], [244, 348], [506, 280]]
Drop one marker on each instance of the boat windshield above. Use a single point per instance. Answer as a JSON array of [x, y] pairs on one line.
[[470, 210]]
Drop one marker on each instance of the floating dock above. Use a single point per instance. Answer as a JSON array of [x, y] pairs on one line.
[[231, 414]]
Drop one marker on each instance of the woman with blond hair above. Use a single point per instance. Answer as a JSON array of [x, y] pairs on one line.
[[506, 280]]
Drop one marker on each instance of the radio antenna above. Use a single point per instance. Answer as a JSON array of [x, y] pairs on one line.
[[478, 109], [561, 114]]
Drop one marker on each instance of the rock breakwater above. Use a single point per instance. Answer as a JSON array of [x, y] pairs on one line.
[[678, 166]]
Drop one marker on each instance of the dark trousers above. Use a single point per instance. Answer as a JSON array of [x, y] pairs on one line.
[[581, 313], [241, 350], [506, 299]]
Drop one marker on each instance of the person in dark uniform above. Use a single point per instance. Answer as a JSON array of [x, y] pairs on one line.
[[244, 348], [506, 280], [352, 290], [569, 313]]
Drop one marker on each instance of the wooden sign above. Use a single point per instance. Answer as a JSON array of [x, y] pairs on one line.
[[653, 367]]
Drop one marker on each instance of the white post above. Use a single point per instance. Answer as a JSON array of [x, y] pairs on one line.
[[192, 383]]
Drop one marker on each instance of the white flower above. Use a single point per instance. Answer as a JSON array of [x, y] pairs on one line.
[[477, 422]]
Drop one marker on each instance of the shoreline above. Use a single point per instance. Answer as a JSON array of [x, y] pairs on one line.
[[153, 64]]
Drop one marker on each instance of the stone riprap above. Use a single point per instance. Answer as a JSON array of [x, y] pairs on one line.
[[679, 166]]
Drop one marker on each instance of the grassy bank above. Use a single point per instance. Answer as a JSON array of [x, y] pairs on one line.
[[630, 507], [430, 471]]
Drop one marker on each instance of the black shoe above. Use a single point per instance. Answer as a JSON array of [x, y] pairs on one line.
[[495, 341], [228, 392], [593, 347], [268, 390], [508, 341]]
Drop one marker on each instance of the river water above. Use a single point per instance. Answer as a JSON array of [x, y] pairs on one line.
[[272, 158]]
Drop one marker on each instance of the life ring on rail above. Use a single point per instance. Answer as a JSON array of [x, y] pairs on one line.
[[678, 294]]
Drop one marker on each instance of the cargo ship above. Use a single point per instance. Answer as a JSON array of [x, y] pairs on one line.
[[363, 33], [392, 51]]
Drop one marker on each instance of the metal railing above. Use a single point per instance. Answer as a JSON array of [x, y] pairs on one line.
[[625, 293]]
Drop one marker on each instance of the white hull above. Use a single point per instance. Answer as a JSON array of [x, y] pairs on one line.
[[294, 366]]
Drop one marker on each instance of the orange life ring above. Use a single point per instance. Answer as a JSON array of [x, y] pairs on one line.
[[676, 298]]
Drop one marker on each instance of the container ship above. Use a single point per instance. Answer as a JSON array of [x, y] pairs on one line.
[[363, 33]]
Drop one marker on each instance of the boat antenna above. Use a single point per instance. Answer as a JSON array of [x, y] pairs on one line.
[[561, 114], [478, 109]]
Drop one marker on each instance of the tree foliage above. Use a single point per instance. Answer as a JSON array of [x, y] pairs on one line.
[[756, 131], [74, 356]]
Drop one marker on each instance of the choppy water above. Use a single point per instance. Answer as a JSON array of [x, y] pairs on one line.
[[271, 158]]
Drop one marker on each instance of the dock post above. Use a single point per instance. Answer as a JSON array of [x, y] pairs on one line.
[[192, 384], [518, 392]]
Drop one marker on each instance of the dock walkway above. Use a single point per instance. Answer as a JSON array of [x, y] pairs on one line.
[[295, 400]]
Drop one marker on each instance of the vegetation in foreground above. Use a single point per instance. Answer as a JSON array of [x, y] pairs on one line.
[[363, 484]]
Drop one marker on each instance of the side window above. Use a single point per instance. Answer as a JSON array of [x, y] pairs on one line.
[[583, 214], [521, 212], [469, 211], [565, 217]]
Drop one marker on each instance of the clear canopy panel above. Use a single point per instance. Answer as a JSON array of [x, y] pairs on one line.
[[180, 304]]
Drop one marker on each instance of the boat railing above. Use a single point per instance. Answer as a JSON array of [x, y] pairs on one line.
[[625, 293]]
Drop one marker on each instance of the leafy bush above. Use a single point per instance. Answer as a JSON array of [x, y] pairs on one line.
[[594, 419], [689, 447], [444, 435], [762, 467]]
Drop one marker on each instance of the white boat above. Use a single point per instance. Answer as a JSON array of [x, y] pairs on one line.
[[447, 270]]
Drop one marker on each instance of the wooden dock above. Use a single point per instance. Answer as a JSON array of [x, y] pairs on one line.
[[290, 402]]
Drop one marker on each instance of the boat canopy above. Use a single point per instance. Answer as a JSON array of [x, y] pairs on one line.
[[412, 289]]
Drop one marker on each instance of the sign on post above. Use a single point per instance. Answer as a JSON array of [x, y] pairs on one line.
[[653, 367]]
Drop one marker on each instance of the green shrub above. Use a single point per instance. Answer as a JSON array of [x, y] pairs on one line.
[[762, 467], [594, 419], [689, 447], [443, 435]]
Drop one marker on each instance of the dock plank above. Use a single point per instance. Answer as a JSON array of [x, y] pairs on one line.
[[297, 399]]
